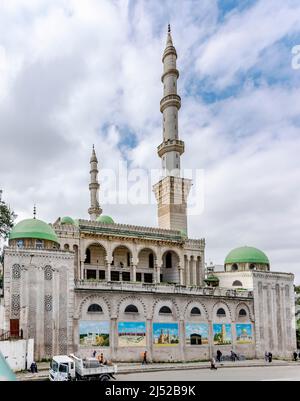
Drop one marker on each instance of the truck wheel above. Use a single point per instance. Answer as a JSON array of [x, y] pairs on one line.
[[104, 378]]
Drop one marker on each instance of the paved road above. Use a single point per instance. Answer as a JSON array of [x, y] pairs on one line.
[[270, 373]]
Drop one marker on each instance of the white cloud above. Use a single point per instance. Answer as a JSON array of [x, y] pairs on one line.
[[75, 73]]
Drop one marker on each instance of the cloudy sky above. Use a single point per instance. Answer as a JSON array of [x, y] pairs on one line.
[[75, 73]]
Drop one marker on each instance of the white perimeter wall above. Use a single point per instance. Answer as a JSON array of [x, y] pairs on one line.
[[15, 353]]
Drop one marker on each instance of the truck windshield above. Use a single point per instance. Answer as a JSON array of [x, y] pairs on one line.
[[54, 365], [63, 368]]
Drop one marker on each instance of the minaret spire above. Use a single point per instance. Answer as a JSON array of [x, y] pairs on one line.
[[171, 191], [94, 210]]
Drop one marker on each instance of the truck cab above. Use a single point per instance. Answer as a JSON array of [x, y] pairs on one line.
[[62, 368]]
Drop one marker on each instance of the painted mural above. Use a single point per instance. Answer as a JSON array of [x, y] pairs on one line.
[[196, 334], [165, 334], [132, 334], [244, 333], [222, 334], [94, 334]]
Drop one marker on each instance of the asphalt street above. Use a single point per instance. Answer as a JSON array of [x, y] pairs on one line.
[[269, 373]]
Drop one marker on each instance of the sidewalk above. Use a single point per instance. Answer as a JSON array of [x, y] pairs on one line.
[[126, 368]]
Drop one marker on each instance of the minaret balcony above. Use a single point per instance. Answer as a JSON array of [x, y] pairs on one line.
[[170, 145], [170, 100]]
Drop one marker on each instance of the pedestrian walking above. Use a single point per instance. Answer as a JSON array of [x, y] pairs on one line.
[[232, 356], [295, 356], [266, 356], [213, 364], [94, 354], [270, 357], [145, 358], [219, 355]]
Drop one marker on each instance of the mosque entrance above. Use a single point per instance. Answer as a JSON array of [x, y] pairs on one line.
[[14, 328]]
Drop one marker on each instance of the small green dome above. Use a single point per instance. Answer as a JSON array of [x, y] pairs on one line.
[[33, 228], [67, 220], [183, 233], [105, 220], [212, 279], [246, 254]]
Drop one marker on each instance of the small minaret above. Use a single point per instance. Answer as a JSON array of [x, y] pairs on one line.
[[171, 191], [94, 210]]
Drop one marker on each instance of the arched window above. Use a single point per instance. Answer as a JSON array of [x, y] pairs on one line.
[[95, 308], [242, 313], [252, 266], [195, 311], [151, 261], [237, 283], [221, 312], [234, 267], [131, 309], [165, 309], [88, 256], [169, 260], [66, 247]]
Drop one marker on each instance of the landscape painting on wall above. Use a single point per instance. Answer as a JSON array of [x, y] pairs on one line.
[[222, 334], [132, 334], [165, 334], [196, 333], [94, 334], [244, 333]]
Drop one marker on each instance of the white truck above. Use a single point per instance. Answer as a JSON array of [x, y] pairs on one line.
[[69, 368]]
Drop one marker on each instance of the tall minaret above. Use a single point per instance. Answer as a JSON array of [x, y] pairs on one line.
[[94, 210], [171, 191]]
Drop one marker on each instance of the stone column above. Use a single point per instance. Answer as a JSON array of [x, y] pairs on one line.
[[182, 339], [194, 267], [108, 271], [149, 340], [133, 273], [187, 271], [113, 337], [180, 270], [158, 270]]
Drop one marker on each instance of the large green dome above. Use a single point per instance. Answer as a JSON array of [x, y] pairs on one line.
[[105, 219], [33, 228], [246, 254]]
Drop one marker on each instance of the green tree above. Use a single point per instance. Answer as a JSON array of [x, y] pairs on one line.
[[7, 217]]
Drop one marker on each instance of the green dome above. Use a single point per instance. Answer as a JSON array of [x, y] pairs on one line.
[[33, 228], [67, 220], [246, 255], [105, 220], [183, 233], [212, 279]]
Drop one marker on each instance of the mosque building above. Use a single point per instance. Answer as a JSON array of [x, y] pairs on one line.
[[85, 279]]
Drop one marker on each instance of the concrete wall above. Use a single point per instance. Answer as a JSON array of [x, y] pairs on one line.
[[18, 353]]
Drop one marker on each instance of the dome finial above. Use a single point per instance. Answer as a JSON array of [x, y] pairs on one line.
[[169, 28], [34, 211]]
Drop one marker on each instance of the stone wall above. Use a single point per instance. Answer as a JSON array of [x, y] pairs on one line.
[[113, 305]]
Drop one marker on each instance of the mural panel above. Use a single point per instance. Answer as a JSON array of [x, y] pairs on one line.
[[244, 333], [196, 333], [132, 334], [165, 334], [222, 334], [94, 334]]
